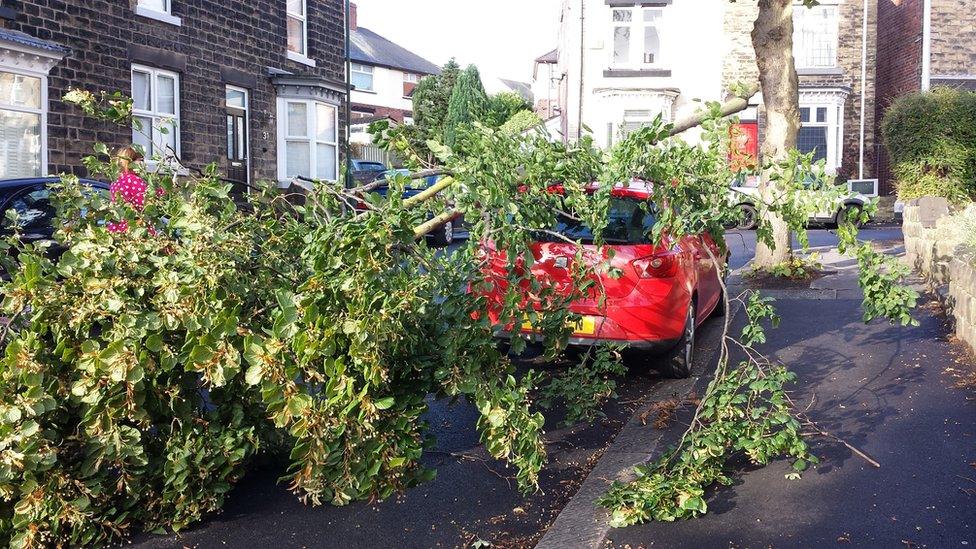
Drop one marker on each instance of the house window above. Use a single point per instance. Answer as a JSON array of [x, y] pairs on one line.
[[297, 27], [23, 122], [362, 77], [160, 10], [821, 132], [637, 36], [815, 36], [160, 6], [410, 82], [156, 111], [307, 140]]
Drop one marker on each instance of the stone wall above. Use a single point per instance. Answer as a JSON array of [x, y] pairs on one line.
[[948, 267], [953, 38]]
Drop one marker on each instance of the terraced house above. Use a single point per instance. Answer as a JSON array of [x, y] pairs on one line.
[[256, 85]]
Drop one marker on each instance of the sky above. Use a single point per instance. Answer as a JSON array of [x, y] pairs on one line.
[[502, 37]]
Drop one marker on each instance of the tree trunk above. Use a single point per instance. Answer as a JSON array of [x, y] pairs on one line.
[[772, 38]]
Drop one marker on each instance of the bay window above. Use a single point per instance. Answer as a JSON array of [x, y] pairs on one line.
[[821, 131], [636, 37], [23, 122], [815, 35], [307, 140], [156, 111]]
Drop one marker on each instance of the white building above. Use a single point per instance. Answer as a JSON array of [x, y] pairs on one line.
[[620, 63], [383, 75]]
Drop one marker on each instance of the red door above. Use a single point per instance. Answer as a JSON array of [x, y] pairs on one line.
[[744, 149]]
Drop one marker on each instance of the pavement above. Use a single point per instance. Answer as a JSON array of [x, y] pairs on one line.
[[886, 390]]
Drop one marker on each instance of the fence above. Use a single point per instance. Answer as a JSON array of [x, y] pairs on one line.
[[373, 153]]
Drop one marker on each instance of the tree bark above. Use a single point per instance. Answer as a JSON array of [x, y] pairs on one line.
[[772, 38]]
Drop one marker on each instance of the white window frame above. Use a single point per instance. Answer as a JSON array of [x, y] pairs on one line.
[[800, 56], [364, 69], [311, 113], [247, 123], [835, 128], [43, 167], [303, 56], [154, 113], [638, 28], [166, 15]]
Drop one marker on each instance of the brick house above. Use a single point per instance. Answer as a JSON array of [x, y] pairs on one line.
[[922, 44], [383, 74], [835, 62], [256, 85]]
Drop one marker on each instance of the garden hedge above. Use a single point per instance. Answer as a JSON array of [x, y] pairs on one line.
[[931, 139]]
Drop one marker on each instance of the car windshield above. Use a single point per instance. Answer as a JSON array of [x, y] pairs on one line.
[[630, 222]]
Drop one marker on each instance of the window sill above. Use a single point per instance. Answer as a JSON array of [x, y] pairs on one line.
[[299, 58], [819, 71], [158, 16], [636, 73], [360, 90]]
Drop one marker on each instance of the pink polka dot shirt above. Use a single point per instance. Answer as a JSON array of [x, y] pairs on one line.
[[132, 189]]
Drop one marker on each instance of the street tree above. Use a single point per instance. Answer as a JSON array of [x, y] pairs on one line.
[[468, 104]]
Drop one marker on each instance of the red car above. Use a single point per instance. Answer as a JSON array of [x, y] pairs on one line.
[[663, 294]]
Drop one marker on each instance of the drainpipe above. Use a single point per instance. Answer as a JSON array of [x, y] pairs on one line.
[[864, 79], [579, 125], [348, 60], [926, 45]]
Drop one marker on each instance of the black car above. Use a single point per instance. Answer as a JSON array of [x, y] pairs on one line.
[[31, 199]]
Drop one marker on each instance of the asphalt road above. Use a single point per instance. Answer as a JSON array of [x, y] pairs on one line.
[[742, 244], [473, 497]]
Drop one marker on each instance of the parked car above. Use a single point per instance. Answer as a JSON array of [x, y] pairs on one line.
[[446, 233], [31, 199], [744, 193], [663, 294], [365, 171]]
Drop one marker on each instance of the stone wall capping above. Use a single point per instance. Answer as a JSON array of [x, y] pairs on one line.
[[948, 267]]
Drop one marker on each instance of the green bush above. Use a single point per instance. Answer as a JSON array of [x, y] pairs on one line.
[[931, 138]]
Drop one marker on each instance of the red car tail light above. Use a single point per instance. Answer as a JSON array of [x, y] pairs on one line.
[[663, 265]]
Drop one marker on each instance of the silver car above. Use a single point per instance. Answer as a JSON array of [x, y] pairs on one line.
[[744, 193]]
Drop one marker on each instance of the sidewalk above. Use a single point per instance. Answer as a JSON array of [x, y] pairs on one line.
[[882, 388]]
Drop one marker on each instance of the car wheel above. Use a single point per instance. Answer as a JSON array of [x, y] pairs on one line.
[[748, 217], [852, 212], [680, 359], [445, 236]]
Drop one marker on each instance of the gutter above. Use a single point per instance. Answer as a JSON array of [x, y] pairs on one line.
[[926, 45]]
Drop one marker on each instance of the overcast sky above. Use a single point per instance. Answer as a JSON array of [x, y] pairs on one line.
[[502, 37]]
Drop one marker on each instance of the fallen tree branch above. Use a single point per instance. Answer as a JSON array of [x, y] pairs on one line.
[[738, 103]]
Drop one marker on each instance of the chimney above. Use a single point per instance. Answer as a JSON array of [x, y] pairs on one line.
[[353, 16]]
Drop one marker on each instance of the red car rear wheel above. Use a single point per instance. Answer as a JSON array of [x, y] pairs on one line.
[[679, 360]]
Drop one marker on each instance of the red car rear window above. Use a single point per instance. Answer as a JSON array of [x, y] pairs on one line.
[[630, 222]]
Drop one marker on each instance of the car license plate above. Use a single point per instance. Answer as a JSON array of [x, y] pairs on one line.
[[585, 326]]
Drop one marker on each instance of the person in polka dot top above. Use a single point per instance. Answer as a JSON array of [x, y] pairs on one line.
[[129, 186]]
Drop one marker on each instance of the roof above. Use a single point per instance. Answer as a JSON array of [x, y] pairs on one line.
[[25, 39], [551, 57], [521, 88], [369, 48]]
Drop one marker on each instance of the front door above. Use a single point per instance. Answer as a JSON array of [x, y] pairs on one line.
[[238, 144]]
